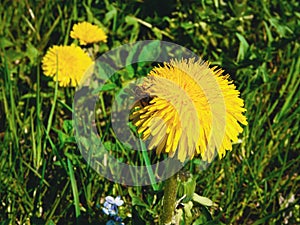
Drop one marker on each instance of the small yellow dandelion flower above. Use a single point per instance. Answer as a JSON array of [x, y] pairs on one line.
[[88, 33], [69, 62], [194, 110]]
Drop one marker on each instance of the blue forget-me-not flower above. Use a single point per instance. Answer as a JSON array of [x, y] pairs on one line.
[[110, 208]]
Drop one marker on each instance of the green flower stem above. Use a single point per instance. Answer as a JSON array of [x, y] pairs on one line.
[[169, 201], [148, 166]]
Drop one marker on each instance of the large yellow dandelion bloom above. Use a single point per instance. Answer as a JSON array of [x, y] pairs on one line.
[[88, 33], [195, 110], [68, 62]]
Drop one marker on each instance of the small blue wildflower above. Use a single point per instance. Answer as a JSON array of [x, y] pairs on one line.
[[114, 201], [110, 208], [105, 210]]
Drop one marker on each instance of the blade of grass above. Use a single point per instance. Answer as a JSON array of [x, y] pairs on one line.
[[9, 105], [148, 166], [39, 126], [49, 124], [74, 189], [57, 201]]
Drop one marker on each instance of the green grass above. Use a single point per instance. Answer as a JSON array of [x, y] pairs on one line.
[[45, 180]]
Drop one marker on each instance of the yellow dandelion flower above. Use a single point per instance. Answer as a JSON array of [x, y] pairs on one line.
[[88, 33], [69, 62], [194, 110]]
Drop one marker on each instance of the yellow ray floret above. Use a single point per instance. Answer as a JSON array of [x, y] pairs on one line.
[[88, 33], [67, 64], [195, 110]]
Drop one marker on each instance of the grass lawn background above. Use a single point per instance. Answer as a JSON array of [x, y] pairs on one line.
[[256, 42]]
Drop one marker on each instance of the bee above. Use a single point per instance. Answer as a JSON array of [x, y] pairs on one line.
[[143, 96]]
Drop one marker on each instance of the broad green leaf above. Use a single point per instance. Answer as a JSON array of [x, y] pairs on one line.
[[150, 52]]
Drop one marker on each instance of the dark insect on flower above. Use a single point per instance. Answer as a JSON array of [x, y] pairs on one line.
[[140, 95], [143, 96]]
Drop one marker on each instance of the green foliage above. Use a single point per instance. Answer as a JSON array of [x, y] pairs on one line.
[[45, 180]]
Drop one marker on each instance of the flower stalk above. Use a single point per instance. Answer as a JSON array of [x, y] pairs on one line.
[[169, 201]]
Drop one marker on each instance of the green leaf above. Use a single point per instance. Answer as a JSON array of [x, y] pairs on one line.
[[281, 29], [108, 87], [131, 20], [68, 126], [202, 200], [109, 145], [32, 53], [4, 43], [13, 55], [74, 189], [150, 51], [50, 222], [137, 201], [110, 15], [243, 47], [187, 188]]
